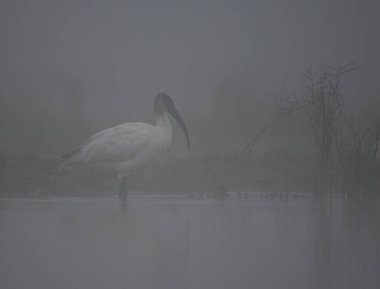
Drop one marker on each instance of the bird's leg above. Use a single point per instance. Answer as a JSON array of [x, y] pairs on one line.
[[123, 192]]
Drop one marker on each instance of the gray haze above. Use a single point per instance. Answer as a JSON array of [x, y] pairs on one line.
[[70, 68], [300, 210]]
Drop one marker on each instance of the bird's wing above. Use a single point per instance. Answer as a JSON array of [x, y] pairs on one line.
[[116, 144]]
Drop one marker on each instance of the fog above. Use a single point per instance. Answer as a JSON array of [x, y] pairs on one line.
[[280, 188], [72, 68]]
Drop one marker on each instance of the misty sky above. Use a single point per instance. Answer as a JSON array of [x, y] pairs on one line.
[[121, 53]]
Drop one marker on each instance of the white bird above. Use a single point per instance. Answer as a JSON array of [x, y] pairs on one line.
[[130, 145]]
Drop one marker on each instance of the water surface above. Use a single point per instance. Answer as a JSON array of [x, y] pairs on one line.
[[172, 242]]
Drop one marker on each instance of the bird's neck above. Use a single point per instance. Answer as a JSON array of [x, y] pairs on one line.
[[163, 122]]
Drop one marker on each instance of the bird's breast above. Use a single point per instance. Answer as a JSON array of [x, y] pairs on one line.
[[162, 138]]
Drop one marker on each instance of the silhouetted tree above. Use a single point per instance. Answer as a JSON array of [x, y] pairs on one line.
[[357, 152], [323, 104]]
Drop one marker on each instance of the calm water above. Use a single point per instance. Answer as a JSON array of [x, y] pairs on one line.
[[188, 243]]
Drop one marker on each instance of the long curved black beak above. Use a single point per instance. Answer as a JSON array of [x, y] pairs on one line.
[[173, 111]]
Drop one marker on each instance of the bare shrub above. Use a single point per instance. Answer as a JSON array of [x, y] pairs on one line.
[[323, 103], [357, 151]]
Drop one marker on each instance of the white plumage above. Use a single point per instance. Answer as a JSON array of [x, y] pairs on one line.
[[125, 145], [130, 145]]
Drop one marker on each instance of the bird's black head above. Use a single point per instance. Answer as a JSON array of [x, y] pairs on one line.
[[163, 103]]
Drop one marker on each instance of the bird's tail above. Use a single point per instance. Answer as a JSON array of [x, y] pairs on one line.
[[69, 159]]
